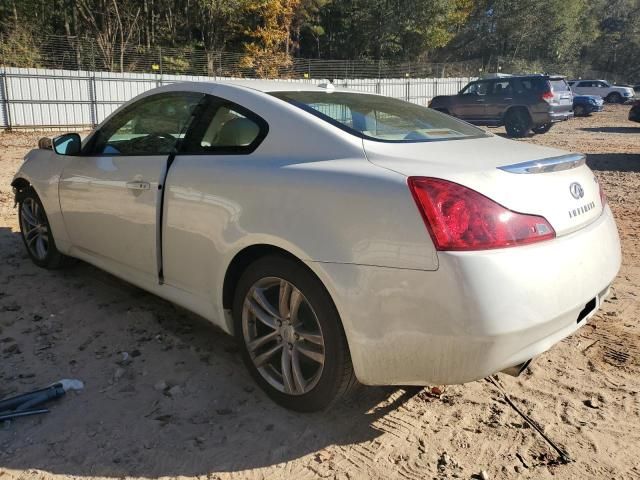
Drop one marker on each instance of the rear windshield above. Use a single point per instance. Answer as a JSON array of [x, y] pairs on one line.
[[559, 85], [380, 118]]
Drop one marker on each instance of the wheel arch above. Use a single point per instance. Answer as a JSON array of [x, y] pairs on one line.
[[251, 253], [20, 186], [516, 108]]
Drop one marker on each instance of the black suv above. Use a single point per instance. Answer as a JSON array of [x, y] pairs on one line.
[[520, 103]]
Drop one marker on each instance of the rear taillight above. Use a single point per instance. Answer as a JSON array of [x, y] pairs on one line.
[[547, 96], [459, 218]]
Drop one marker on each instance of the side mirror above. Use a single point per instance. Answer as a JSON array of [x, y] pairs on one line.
[[67, 144], [45, 143]]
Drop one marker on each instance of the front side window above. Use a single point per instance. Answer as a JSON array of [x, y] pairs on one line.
[[380, 118], [152, 126], [476, 88]]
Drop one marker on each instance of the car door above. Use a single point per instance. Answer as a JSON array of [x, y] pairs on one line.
[[201, 207], [585, 88], [499, 98], [109, 194], [470, 103]]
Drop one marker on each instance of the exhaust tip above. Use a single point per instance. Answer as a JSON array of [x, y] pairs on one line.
[[516, 370]]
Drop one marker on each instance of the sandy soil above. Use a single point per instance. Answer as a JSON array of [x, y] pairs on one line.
[[184, 405]]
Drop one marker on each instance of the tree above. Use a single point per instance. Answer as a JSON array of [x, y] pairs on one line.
[[268, 51]]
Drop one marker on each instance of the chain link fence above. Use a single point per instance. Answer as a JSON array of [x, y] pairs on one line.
[[71, 53]]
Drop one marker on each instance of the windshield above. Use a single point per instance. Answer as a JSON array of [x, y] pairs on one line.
[[380, 118], [559, 85]]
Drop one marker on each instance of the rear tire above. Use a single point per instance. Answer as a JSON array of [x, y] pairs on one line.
[[295, 348], [36, 232], [544, 128], [580, 111], [517, 123], [614, 97]]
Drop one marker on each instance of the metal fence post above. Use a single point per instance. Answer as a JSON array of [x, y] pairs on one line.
[[6, 106], [407, 92], [93, 104]]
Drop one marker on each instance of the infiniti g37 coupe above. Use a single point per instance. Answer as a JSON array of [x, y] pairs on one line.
[[342, 237]]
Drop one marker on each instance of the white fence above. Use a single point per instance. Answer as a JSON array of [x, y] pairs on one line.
[[40, 98]]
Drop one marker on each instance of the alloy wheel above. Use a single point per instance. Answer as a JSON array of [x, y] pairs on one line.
[[34, 228], [283, 336]]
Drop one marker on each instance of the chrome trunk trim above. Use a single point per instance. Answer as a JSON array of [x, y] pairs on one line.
[[546, 165]]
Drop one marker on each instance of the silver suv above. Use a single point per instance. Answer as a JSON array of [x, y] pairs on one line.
[[602, 88]]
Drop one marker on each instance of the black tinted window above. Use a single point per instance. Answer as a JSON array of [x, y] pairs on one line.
[[502, 87], [151, 126], [534, 85], [476, 88]]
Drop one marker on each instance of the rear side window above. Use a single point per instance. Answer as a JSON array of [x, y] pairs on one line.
[[380, 118], [534, 85], [224, 127], [502, 88]]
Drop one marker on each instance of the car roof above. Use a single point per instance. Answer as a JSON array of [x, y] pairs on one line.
[[283, 86], [529, 75]]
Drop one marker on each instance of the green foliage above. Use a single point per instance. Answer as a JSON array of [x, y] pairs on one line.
[[568, 36], [18, 48]]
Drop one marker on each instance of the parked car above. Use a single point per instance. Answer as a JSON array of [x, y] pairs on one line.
[[338, 235], [634, 113], [602, 88], [520, 103], [585, 105]]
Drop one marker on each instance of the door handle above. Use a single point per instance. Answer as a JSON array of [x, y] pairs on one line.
[[138, 185], [509, 98], [480, 100]]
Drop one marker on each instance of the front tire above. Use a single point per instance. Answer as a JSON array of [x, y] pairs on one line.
[[36, 232], [579, 111], [291, 335], [517, 123], [614, 97]]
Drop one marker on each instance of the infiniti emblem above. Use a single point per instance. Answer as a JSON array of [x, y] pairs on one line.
[[576, 190]]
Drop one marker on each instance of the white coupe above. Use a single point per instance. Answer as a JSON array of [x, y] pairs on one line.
[[343, 237]]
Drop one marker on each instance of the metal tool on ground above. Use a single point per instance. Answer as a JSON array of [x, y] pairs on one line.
[[30, 403]]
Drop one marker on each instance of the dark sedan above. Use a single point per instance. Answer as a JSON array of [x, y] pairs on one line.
[[634, 113], [585, 105]]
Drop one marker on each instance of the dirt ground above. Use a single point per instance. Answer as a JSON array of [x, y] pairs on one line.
[[183, 405]]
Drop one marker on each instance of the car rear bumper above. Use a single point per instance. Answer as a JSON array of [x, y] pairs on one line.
[[479, 313], [560, 116]]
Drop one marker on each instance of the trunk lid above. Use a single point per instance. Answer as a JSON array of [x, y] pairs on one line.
[[522, 177], [562, 95]]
